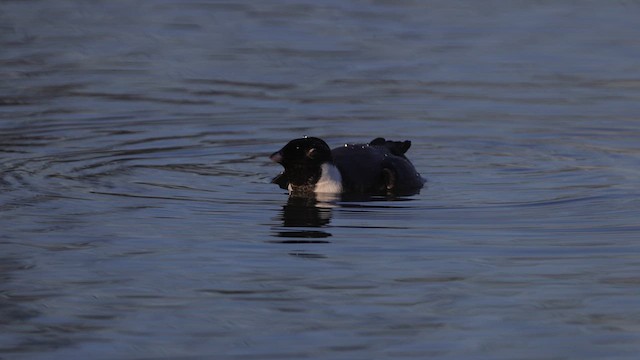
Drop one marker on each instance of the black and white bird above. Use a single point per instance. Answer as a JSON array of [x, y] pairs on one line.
[[377, 168]]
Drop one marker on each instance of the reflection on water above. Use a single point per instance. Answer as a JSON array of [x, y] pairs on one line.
[[305, 212], [138, 220], [303, 215]]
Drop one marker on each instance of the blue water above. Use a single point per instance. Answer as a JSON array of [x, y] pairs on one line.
[[138, 221]]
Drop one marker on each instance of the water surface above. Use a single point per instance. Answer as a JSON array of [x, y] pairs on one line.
[[138, 221]]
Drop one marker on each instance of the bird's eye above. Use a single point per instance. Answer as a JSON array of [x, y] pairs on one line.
[[297, 147]]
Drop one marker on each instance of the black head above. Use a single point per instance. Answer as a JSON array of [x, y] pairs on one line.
[[307, 150], [302, 158]]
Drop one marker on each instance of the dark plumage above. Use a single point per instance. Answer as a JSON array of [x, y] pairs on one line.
[[379, 167]]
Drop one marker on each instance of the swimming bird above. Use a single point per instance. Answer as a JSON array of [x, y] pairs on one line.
[[378, 168]]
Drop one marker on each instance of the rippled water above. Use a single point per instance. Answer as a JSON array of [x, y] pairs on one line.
[[138, 221]]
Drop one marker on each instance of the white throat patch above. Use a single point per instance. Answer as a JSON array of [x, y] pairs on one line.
[[330, 180]]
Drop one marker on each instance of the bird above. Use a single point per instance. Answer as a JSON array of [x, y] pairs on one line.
[[379, 167]]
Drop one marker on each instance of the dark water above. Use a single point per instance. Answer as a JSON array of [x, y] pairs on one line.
[[137, 219]]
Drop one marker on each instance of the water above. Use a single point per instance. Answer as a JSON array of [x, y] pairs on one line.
[[138, 221]]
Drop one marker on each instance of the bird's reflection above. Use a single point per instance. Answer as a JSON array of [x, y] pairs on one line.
[[305, 216]]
